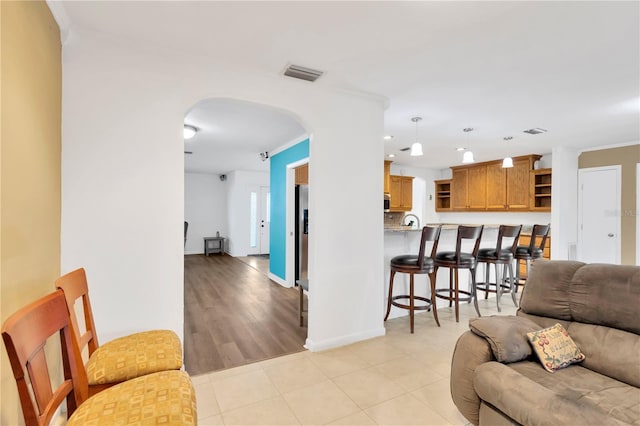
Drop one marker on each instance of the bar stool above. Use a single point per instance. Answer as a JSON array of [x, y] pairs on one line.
[[455, 260], [415, 264], [533, 251], [499, 256]]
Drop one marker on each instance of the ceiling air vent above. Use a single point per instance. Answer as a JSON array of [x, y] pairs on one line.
[[188, 152], [535, 131], [406, 148], [302, 73]]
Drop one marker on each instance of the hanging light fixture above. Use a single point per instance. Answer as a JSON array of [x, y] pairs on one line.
[[507, 163], [189, 131], [416, 148], [467, 157]]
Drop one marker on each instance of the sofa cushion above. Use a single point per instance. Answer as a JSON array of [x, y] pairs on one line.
[[547, 287], [554, 347], [609, 351], [575, 395], [507, 335], [595, 296]]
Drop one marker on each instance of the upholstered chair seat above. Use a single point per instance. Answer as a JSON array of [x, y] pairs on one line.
[[411, 261], [132, 356]]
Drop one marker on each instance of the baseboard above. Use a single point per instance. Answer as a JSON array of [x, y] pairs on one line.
[[315, 346], [278, 280]]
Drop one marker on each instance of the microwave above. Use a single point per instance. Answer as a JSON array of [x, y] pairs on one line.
[[387, 202]]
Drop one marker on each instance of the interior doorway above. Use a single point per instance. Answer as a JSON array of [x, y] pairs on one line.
[[599, 203], [265, 219]]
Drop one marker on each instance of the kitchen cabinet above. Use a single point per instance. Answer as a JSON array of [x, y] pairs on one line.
[[541, 190], [469, 188], [488, 186], [387, 174], [443, 195], [401, 193], [302, 174]]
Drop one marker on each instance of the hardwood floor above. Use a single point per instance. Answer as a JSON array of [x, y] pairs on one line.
[[235, 315]]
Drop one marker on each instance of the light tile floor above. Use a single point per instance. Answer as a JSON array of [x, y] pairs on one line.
[[397, 379]]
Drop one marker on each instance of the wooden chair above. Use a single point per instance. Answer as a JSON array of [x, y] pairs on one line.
[[165, 397], [415, 264], [123, 358], [456, 260], [500, 257]]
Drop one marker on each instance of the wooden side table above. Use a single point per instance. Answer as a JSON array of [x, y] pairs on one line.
[[213, 245]]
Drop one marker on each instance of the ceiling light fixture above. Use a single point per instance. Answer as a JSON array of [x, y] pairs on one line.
[[391, 155], [189, 131], [460, 149], [387, 137], [416, 148], [507, 163], [467, 157]]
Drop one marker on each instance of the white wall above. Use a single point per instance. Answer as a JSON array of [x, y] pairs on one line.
[[564, 202], [123, 184], [205, 208], [241, 184]]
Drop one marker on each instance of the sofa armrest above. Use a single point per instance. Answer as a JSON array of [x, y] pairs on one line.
[[507, 335], [471, 351]]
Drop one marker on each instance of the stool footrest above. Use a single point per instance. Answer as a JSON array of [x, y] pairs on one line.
[[451, 293], [426, 307]]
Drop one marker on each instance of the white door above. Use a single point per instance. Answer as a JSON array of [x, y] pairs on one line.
[[599, 215], [265, 219]]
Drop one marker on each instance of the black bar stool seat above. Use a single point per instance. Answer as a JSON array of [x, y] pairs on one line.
[[415, 264]]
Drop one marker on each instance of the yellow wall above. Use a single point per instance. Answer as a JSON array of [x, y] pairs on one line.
[[30, 91], [627, 157]]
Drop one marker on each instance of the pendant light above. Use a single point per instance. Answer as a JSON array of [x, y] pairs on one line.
[[416, 148], [467, 157], [507, 163], [189, 131]]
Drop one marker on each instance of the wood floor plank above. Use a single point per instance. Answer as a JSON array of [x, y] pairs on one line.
[[235, 315]]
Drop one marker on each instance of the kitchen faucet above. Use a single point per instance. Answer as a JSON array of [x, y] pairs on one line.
[[411, 214]]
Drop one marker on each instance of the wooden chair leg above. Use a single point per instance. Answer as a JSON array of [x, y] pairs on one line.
[[450, 285], [411, 302], [434, 299], [456, 294], [391, 275]]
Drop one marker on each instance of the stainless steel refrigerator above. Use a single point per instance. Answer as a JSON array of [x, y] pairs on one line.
[[302, 231]]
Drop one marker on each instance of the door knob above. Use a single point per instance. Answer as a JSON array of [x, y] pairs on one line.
[[610, 235]]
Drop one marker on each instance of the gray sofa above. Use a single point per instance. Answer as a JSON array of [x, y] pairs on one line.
[[599, 305]]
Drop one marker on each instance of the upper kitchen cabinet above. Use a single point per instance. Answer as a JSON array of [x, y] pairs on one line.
[[490, 187], [401, 193], [469, 187], [541, 190], [387, 174], [443, 195]]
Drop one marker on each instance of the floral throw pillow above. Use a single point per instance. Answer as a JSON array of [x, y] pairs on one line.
[[554, 347]]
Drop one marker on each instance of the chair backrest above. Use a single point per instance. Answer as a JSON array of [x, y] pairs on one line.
[[468, 233], [74, 286], [539, 231], [25, 334], [429, 233], [508, 231]]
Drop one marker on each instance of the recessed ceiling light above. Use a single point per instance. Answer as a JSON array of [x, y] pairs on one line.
[[387, 137], [460, 149], [391, 155]]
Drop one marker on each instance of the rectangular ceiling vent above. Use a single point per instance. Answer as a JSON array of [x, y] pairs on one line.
[[405, 149], [535, 131], [302, 73]]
